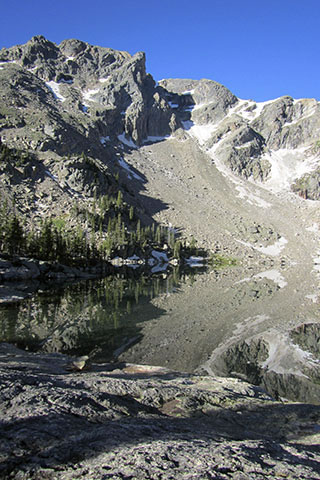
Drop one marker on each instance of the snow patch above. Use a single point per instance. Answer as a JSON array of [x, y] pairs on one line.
[[188, 92], [153, 138], [88, 96], [104, 140], [160, 260], [273, 275], [313, 228], [250, 197], [287, 166], [127, 167], [312, 297], [129, 142], [273, 250], [54, 87], [68, 82], [285, 357], [316, 261], [9, 62], [201, 132], [33, 69]]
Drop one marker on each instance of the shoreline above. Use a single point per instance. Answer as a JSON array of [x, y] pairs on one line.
[[136, 421]]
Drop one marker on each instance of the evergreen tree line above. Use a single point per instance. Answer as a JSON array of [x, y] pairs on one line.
[[111, 228]]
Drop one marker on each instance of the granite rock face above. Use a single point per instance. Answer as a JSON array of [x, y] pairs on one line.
[[73, 91], [248, 138], [63, 100], [131, 421]]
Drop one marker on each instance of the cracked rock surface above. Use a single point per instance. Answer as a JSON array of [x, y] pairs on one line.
[[137, 422]]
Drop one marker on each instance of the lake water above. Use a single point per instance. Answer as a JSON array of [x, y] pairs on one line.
[[105, 315], [184, 321]]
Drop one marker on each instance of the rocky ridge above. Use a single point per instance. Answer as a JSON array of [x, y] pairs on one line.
[[61, 101], [131, 421]]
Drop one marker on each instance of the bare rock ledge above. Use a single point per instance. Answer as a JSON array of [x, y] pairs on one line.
[[139, 422]]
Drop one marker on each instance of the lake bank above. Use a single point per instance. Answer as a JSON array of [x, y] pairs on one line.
[[126, 421]]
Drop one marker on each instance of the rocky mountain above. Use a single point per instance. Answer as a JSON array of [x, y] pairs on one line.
[[61, 101]]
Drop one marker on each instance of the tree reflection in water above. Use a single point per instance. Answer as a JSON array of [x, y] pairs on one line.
[[104, 315]]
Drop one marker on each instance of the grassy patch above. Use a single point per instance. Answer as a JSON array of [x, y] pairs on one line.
[[219, 261]]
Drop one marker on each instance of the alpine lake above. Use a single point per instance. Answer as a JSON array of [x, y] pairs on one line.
[[100, 317]]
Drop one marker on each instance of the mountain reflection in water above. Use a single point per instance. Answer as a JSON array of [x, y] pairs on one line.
[[104, 315]]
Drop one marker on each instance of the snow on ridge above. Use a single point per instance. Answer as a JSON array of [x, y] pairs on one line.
[[188, 92], [129, 142], [287, 165], [54, 87], [88, 94], [201, 132], [242, 106], [309, 111], [127, 167]]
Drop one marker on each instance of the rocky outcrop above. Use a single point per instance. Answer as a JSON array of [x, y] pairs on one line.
[[130, 421], [289, 123], [20, 277], [68, 93], [245, 136], [308, 186]]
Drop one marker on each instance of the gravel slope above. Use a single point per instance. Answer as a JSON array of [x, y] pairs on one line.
[[275, 239]]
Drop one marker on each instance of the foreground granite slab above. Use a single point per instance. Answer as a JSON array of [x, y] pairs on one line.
[[137, 422]]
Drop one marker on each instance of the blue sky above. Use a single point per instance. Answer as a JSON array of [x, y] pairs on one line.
[[258, 49]]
